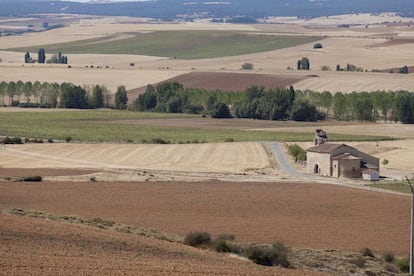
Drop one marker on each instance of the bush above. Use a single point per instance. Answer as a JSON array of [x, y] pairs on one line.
[[275, 255], [367, 252], [385, 162], [229, 140], [317, 46], [50, 140], [390, 268], [389, 257], [13, 140], [159, 141], [404, 264], [297, 152], [358, 261], [197, 239], [36, 178], [68, 139], [247, 66], [221, 244]]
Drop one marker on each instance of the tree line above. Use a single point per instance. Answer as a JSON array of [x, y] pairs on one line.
[[172, 97], [41, 58], [65, 95], [279, 104], [255, 102]]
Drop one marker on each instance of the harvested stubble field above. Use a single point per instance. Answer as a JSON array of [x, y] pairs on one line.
[[369, 49], [301, 215], [214, 158], [30, 246]]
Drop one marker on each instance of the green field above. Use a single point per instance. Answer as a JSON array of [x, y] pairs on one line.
[[178, 44], [102, 126], [401, 186]]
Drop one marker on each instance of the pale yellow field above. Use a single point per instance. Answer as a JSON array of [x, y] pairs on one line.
[[214, 158], [341, 46], [130, 77]]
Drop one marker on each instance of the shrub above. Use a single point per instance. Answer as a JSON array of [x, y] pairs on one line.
[[325, 68], [385, 162], [229, 140], [317, 46], [247, 66], [275, 255], [297, 152], [197, 239], [13, 140], [358, 261], [68, 139], [390, 268], [389, 257], [36, 178], [404, 264], [221, 246], [159, 141], [50, 140], [367, 252]]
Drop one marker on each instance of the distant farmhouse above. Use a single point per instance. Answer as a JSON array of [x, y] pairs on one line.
[[340, 160]]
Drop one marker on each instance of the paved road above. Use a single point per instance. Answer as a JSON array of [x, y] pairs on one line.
[[282, 160], [284, 165]]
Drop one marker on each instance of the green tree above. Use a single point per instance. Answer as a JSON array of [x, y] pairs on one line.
[[97, 100], [221, 110], [11, 91], [305, 111], [27, 91], [364, 107], [3, 90], [121, 97], [404, 104], [339, 106], [73, 96]]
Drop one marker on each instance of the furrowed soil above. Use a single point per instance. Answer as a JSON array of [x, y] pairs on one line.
[[302, 215], [30, 246]]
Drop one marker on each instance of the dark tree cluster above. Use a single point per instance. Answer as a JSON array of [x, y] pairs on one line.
[[275, 104], [349, 68], [172, 97], [58, 59], [41, 58], [403, 70], [303, 64]]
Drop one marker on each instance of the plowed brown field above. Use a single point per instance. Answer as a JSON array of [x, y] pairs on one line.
[[227, 81], [298, 214], [38, 247]]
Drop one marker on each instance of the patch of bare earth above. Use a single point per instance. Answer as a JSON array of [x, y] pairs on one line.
[[30, 246], [301, 215]]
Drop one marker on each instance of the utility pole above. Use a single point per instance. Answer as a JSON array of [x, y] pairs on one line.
[[412, 228]]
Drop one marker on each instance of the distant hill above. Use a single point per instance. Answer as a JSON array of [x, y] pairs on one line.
[[173, 9]]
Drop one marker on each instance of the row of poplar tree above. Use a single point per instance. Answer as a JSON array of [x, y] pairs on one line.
[[65, 95]]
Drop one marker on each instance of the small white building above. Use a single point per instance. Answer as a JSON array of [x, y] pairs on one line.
[[340, 160]]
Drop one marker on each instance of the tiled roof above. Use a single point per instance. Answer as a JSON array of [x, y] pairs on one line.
[[325, 148], [346, 156]]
